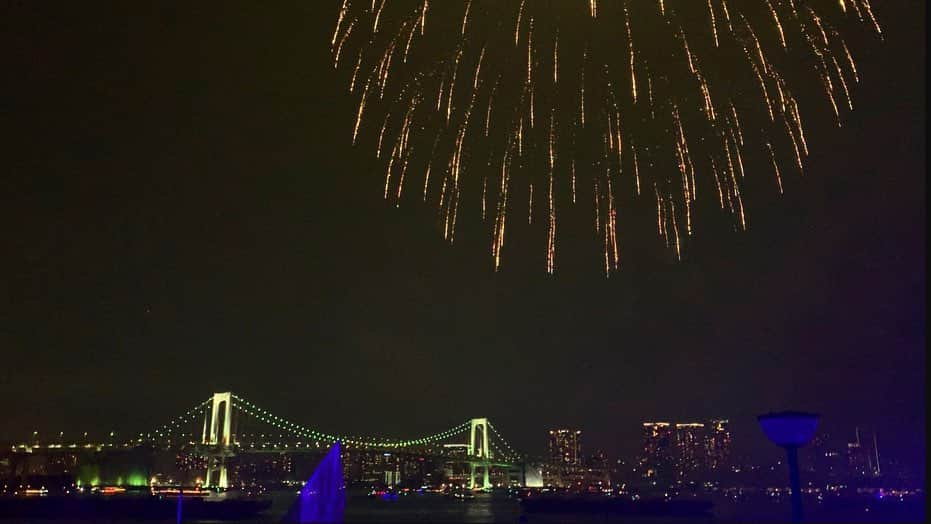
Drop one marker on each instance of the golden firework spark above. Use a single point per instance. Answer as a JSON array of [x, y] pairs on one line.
[[704, 92]]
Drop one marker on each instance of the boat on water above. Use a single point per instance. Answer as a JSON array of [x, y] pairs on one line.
[[383, 494], [460, 494]]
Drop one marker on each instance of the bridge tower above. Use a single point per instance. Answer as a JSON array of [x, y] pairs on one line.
[[221, 414], [479, 449], [217, 436]]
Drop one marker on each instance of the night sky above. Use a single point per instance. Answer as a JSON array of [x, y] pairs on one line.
[[183, 213]]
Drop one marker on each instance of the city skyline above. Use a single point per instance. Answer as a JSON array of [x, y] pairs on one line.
[[674, 455], [187, 214], [690, 446]]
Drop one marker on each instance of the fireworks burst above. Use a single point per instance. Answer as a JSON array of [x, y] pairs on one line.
[[548, 103]]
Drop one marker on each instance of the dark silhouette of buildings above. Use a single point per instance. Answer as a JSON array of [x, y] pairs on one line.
[[683, 452]]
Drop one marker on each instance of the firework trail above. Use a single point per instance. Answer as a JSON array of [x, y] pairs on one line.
[[532, 104]]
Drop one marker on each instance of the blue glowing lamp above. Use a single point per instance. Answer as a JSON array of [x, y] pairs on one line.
[[789, 428]]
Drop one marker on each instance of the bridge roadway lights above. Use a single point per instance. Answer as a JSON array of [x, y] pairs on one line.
[[216, 444]]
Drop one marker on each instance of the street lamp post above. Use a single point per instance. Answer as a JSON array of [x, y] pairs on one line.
[[791, 430]]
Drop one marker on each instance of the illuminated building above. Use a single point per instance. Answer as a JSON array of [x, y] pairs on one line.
[[717, 444], [596, 475], [259, 469], [690, 448], [656, 457], [373, 467], [189, 461], [564, 464], [565, 447], [684, 450]]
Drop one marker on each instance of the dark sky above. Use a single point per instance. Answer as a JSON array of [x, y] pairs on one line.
[[183, 214]]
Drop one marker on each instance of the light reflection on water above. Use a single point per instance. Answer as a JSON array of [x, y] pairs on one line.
[[411, 508], [485, 508]]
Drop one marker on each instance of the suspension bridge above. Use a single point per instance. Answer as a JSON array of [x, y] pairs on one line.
[[225, 417]]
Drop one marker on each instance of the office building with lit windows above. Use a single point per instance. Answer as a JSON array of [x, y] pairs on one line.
[[717, 444], [683, 451], [657, 456], [564, 461], [690, 448]]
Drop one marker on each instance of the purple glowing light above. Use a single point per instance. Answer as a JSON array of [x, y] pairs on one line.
[[323, 497], [789, 428]]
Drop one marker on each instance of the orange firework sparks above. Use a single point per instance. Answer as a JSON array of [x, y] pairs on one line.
[[703, 101]]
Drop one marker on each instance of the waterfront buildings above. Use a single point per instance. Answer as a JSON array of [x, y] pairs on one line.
[[684, 451], [565, 447], [563, 466], [657, 454], [717, 444], [568, 468]]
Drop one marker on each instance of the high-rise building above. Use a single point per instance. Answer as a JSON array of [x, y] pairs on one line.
[[690, 448], [717, 444], [657, 460], [564, 463], [684, 450], [596, 474], [565, 447]]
